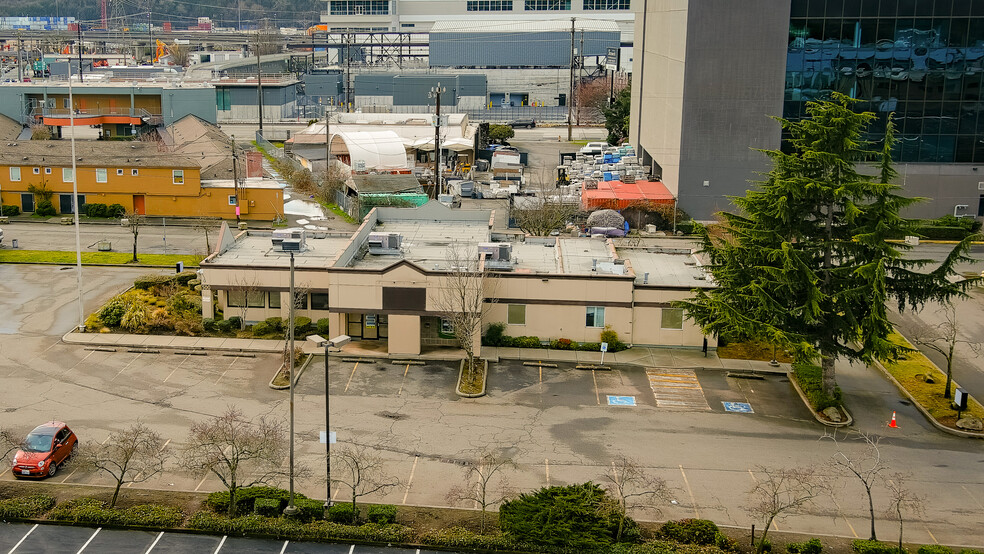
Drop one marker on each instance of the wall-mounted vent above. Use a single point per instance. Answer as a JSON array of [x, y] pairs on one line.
[[980, 185], [385, 244]]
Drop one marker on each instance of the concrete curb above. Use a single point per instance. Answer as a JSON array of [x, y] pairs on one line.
[[300, 371], [68, 339], [816, 416], [461, 373], [923, 411]]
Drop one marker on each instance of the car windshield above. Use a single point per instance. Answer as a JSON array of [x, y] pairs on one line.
[[38, 442]]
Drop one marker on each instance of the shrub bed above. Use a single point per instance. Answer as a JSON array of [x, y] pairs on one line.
[[382, 514], [9, 210], [246, 498], [495, 336], [92, 511], [287, 528], [25, 507], [808, 376]]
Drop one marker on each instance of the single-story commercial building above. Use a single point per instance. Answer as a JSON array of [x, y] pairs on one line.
[[384, 282]]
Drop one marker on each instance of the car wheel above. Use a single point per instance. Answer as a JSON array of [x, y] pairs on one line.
[[52, 469]]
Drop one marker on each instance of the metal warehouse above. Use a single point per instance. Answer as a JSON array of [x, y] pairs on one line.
[[518, 44]]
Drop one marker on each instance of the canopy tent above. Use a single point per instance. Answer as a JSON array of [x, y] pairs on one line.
[[378, 149], [458, 144]]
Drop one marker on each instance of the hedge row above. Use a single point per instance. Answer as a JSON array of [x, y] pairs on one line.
[[146, 282], [9, 210], [495, 336], [285, 528], [95, 512], [114, 211], [25, 507]]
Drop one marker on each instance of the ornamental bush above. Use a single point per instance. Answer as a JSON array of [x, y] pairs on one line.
[[341, 513], [526, 341], [861, 546], [9, 210], [381, 513], [689, 531], [44, 209], [573, 516], [115, 211], [934, 549], [809, 378], [246, 498], [495, 334], [269, 507], [26, 507], [95, 210], [322, 327], [94, 512]]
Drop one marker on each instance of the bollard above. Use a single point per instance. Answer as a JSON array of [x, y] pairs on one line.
[[13, 243]]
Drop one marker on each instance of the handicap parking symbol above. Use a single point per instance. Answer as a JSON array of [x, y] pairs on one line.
[[621, 400], [738, 407]]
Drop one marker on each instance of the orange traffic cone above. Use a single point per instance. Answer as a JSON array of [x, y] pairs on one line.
[[892, 423]]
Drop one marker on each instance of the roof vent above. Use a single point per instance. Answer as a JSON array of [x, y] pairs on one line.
[[281, 236], [497, 255], [645, 278]]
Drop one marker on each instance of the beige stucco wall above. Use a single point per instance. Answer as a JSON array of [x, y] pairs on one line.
[[404, 334]]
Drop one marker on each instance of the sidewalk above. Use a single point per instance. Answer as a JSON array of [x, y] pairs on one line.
[[639, 355]]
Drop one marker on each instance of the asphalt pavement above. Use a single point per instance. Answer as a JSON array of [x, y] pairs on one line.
[[27, 538]]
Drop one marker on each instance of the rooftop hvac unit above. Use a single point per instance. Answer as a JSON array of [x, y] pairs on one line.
[[385, 244], [497, 255], [296, 234]]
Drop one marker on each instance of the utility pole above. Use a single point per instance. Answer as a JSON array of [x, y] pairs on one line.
[[570, 98], [235, 176], [580, 70], [327, 142], [348, 73], [259, 78], [435, 92], [20, 69], [80, 60]]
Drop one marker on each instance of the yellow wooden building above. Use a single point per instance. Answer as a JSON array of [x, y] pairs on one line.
[[144, 177]]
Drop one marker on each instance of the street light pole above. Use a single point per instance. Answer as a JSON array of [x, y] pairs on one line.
[[337, 342], [291, 508]]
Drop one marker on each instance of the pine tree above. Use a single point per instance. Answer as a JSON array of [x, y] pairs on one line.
[[805, 262]]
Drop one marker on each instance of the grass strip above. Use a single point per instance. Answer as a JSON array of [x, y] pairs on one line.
[[928, 395], [113, 258]]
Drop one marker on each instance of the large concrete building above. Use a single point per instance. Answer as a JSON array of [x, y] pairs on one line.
[[708, 73], [383, 282]]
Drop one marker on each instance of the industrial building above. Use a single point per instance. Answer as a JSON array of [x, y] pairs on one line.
[[425, 15], [383, 282], [708, 73]]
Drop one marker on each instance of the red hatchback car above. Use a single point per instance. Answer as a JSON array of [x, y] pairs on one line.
[[46, 447]]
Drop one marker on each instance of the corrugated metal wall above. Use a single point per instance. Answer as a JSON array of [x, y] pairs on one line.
[[515, 49]]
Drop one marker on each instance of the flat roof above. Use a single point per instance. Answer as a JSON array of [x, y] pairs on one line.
[[426, 243], [256, 249], [666, 266], [619, 195]]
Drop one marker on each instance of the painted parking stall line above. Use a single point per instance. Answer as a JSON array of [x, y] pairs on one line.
[[24, 538], [90, 540], [677, 389]]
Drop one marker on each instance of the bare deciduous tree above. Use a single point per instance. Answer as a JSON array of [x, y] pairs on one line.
[[133, 221], [901, 500], [466, 293], [479, 476], [539, 215], [865, 465], [9, 442], [241, 294], [361, 473], [207, 224], [780, 491], [943, 339], [634, 488], [132, 455], [239, 451]]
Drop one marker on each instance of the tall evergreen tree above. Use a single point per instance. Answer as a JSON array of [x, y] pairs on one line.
[[805, 263]]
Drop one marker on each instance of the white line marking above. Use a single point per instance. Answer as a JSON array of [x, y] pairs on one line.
[[972, 497], [352, 549], [24, 538], [217, 548], [234, 360], [202, 482], [126, 366], [80, 361], [90, 540], [153, 544], [284, 549], [597, 394], [841, 512], [412, 469], [693, 501]]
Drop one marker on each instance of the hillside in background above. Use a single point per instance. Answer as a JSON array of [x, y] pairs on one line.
[[180, 13]]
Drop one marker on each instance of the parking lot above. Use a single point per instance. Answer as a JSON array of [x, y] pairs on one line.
[[557, 424], [24, 538]]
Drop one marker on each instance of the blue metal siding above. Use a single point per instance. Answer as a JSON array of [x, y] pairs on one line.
[[412, 90]]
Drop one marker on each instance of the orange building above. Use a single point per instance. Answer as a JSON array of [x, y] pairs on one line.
[[143, 177]]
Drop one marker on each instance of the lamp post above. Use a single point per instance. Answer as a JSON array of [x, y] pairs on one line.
[[338, 342], [291, 246]]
